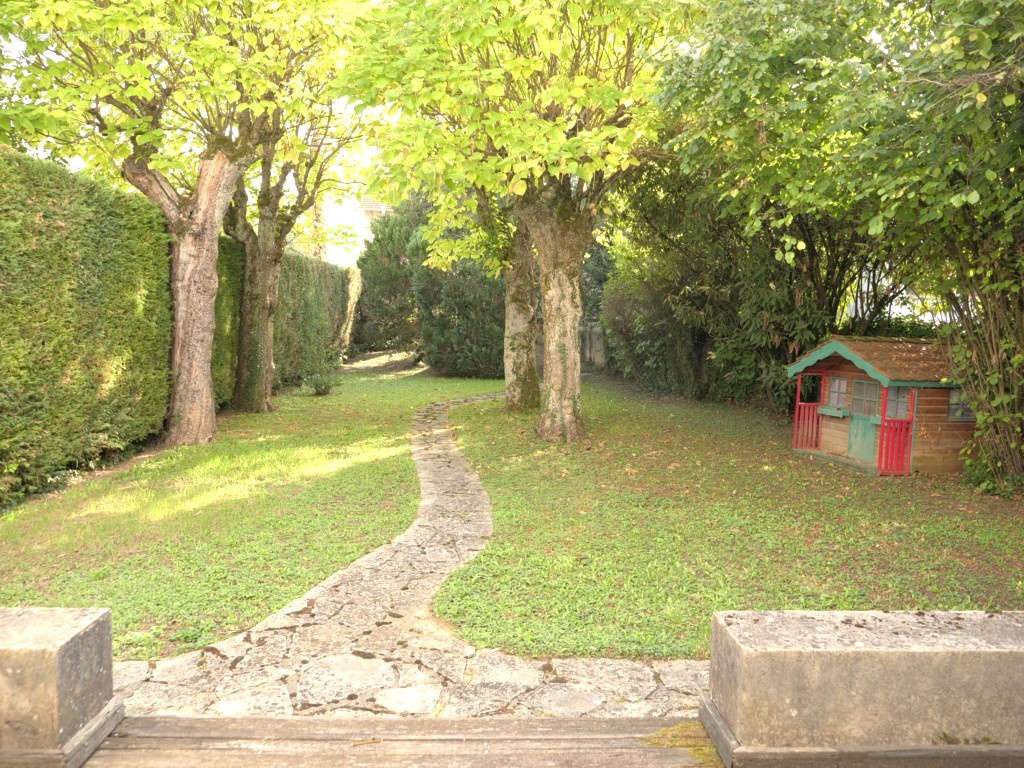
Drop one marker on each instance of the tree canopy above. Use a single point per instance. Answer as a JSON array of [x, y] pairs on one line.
[[549, 103]]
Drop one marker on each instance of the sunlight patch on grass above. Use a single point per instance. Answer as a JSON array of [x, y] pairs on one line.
[[189, 545]]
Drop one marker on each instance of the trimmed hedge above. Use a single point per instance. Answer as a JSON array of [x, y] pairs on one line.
[[312, 305], [230, 266], [85, 321]]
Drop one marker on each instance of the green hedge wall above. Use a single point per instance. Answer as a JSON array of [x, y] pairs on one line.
[[312, 305], [230, 265], [85, 321]]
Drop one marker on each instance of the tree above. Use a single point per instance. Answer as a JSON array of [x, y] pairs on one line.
[[296, 158], [906, 116], [175, 95], [492, 234], [704, 307], [549, 103], [387, 314]]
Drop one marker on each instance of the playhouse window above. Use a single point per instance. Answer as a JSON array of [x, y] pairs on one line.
[[837, 392], [865, 398], [897, 404], [958, 409]]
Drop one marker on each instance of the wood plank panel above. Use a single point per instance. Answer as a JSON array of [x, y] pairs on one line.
[[647, 757], [156, 742], [419, 728]]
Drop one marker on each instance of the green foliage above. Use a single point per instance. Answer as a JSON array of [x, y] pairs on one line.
[[230, 267], [904, 118], [455, 319], [696, 305], [596, 270], [86, 307], [85, 311], [312, 300], [535, 94], [167, 82], [387, 315], [462, 319], [320, 383]]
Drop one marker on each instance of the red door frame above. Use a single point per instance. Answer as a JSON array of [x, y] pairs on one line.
[[895, 438], [806, 419]]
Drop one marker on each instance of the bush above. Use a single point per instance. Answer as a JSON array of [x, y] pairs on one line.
[[320, 383], [387, 316], [85, 308], [454, 318], [462, 320]]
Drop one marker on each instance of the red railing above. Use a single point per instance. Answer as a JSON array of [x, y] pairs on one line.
[[807, 426], [895, 437]]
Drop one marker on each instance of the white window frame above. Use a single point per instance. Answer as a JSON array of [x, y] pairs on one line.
[[838, 390]]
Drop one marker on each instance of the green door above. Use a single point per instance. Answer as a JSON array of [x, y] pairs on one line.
[[863, 442]]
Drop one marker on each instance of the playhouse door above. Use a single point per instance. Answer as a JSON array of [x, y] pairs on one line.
[[863, 438], [863, 422]]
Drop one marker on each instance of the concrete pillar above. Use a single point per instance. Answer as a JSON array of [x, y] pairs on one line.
[[57, 698], [858, 688]]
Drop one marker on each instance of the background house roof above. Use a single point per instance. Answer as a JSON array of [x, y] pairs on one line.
[[890, 361]]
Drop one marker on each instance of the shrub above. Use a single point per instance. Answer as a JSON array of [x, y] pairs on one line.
[[462, 320], [387, 314], [85, 309], [320, 383]]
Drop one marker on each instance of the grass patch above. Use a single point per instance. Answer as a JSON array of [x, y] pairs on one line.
[[675, 509], [192, 544]]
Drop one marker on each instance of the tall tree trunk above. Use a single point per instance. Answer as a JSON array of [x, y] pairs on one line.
[[191, 415], [522, 386], [348, 323], [562, 242], [195, 223], [264, 247]]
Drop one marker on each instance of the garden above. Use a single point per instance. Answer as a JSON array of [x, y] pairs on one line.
[[196, 425]]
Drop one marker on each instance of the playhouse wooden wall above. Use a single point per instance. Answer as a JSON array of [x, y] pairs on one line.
[[937, 440]]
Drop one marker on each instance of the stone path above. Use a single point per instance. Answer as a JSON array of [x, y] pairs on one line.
[[364, 642]]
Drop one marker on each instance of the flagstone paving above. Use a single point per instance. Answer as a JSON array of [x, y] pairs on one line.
[[363, 643]]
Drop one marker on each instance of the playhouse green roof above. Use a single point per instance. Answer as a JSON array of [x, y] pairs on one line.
[[893, 362]]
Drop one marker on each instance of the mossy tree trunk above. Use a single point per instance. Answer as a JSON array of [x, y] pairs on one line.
[[522, 385], [561, 239], [195, 224], [254, 376]]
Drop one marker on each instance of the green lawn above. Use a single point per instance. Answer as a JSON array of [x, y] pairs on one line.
[[192, 544], [677, 509]]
